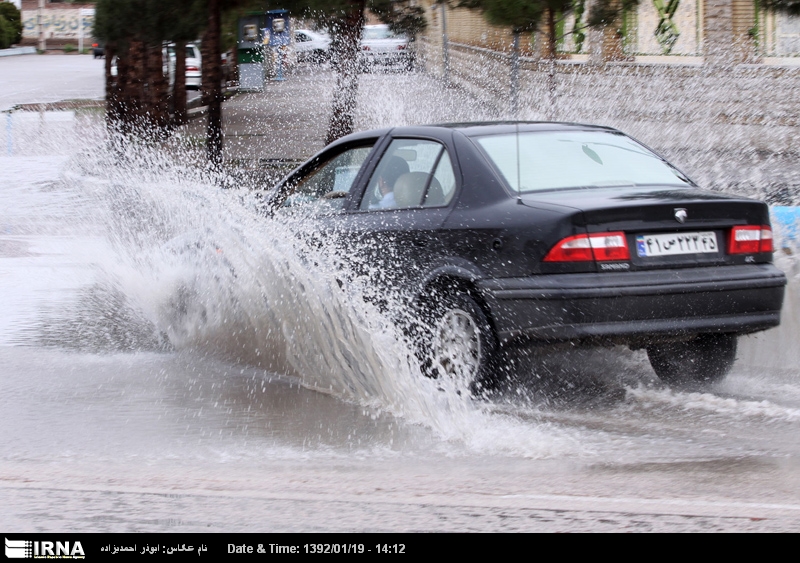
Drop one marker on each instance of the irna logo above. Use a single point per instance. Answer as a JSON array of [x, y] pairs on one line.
[[24, 549]]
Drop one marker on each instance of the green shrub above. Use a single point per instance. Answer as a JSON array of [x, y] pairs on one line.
[[6, 33], [13, 17], [69, 48]]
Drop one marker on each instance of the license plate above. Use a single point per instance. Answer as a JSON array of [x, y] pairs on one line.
[[676, 244]]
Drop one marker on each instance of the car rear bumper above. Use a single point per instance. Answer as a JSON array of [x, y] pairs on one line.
[[385, 58], [635, 305], [194, 81]]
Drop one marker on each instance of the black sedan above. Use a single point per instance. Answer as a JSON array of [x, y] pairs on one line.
[[499, 234]]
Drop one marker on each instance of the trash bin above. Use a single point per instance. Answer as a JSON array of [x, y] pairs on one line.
[[264, 37], [250, 52]]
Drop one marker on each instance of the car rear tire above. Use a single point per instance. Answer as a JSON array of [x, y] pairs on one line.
[[458, 343], [705, 359]]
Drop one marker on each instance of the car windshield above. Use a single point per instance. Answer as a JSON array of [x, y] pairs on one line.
[[191, 51], [551, 160], [371, 33]]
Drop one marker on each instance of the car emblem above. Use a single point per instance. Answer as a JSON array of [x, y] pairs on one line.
[[681, 215]]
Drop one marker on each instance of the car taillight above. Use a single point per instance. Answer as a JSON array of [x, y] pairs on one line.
[[603, 247], [192, 69], [401, 47], [366, 48], [750, 239]]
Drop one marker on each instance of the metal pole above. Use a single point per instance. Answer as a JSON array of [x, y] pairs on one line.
[[39, 16], [80, 33], [279, 76], [9, 133], [445, 53], [515, 74]]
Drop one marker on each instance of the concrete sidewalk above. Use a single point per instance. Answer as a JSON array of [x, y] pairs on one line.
[[14, 51], [285, 123]]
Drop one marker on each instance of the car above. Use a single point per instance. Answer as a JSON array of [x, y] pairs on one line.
[[311, 46], [194, 67], [506, 234], [194, 73], [380, 46]]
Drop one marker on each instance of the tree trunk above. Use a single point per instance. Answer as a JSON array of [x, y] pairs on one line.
[[552, 46], [113, 94], [132, 69], [212, 83], [612, 36], [346, 49], [179, 86], [552, 40], [156, 114]]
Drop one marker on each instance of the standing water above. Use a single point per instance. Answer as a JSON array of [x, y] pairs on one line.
[[174, 361]]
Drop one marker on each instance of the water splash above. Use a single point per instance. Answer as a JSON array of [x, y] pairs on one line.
[[191, 266]]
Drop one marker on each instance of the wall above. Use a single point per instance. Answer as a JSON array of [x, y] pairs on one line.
[[734, 128], [59, 23], [720, 29]]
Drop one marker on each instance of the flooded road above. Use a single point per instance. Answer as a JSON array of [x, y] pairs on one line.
[[171, 361]]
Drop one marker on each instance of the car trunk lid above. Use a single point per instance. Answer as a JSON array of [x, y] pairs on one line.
[[664, 226]]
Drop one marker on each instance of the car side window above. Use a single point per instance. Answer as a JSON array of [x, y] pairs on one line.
[[441, 194], [328, 184], [411, 173]]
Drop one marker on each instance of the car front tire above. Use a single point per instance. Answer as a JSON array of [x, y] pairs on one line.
[[705, 359], [458, 343]]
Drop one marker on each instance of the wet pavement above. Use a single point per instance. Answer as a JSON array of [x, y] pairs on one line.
[[147, 389]]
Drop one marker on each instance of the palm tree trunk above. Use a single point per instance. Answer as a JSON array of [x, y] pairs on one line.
[[212, 83], [179, 86], [156, 114], [552, 46], [346, 50], [134, 85], [113, 94]]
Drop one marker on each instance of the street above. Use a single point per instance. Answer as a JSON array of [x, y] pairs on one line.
[[250, 416]]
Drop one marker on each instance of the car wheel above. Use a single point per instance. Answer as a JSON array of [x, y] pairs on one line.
[[459, 343], [705, 359]]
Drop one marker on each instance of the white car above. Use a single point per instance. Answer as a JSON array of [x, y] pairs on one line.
[[194, 68], [381, 46], [311, 46]]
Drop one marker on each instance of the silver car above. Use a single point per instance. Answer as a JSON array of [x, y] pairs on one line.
[[194, 68], [380, 46], [311, 46]]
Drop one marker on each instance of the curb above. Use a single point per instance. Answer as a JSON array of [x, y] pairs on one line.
[[13, 51]]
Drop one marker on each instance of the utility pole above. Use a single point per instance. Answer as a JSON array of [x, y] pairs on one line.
[[515, 75], [39, 17], [445, 54]]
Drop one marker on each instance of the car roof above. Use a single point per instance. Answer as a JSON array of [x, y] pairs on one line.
[[478, 128]]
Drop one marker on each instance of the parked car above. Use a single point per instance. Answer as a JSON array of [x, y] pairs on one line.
[[311, 46], [194, 70], [380, 46], [501, 234], [194, 67]]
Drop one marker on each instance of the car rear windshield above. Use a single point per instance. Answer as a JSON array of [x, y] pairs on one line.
[[377, 33], [552, 160]]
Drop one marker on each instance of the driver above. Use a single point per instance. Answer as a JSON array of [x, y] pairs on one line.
[[387, 176]]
